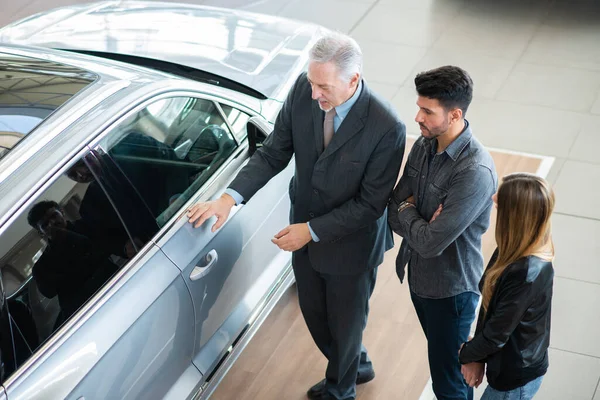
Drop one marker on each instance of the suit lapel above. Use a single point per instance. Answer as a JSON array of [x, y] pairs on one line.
[[318, 117], [351, 125]]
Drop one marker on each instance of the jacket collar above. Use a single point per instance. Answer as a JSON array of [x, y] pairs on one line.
[[351, 125]]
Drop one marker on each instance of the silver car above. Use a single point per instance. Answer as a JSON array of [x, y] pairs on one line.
[[107, 291]]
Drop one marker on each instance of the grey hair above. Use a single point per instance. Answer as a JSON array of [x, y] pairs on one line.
[[341, 50]]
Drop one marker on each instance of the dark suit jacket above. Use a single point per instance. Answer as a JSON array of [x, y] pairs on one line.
[[343, 191]]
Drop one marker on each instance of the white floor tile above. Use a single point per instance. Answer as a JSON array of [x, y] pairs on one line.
[[558, 87], [569, 27], [11, 11], [478, 392], [490, 33], [596, 106], [392, 24], [570, 376], [333, 14], [555, 170], [405, 102], [577, 190], [431, 6], [389, 63], [488, 73], [269, 7], [554, 45], [531, 129], [576, 246], [385, 90], [36, 6], [572, 13], [523, 10], [575, 322], [587, 144], [572, 2]]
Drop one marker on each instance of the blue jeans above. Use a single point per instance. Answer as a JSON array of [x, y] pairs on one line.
[[525, 392], [446, 323]]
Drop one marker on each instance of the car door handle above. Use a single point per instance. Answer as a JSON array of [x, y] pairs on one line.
[[208, 261]]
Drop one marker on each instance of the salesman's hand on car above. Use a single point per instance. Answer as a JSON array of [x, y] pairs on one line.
[[293, 238], [199, 213]]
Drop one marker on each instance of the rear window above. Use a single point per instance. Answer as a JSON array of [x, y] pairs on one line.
[[30, 90]]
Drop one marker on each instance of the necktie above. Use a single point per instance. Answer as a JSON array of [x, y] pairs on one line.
[[328, 127]]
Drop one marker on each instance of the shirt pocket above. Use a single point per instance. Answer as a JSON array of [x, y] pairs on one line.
[[412, 171], [439, 191], [412, 180]]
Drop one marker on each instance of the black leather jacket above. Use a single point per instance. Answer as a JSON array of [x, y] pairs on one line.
[[512, 338]]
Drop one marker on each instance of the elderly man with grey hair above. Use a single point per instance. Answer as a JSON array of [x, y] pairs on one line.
[[348, 146]]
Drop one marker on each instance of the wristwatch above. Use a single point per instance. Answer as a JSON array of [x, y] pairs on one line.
[[404, 205]]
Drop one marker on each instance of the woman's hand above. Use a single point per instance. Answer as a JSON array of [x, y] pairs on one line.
[[473, 373]]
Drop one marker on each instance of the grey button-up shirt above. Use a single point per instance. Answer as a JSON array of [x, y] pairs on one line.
[[444, 256]]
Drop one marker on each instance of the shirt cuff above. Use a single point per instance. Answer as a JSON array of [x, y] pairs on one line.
[[236, 196], [406, 217], [315, 238], [409, 214]]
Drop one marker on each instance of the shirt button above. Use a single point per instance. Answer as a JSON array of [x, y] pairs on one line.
[[422, 176], [312, 215]]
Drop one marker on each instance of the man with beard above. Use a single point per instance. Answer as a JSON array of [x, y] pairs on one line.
[[441, 207]]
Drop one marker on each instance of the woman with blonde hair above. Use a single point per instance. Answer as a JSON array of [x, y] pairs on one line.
[[513, 328]]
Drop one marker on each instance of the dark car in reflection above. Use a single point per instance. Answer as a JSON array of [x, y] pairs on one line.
[[115, 118]]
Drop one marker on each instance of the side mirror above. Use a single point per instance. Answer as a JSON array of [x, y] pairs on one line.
[[258, 130]]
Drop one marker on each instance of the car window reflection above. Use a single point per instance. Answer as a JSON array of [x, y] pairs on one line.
[[56, 256]]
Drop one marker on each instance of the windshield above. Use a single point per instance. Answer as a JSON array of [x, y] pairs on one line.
[[30, 90]]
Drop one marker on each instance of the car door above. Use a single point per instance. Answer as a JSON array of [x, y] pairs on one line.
[[95, 310], [231, 271], [228, 272]]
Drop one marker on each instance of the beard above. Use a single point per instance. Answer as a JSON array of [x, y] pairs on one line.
[[434, 132], [327, 108]]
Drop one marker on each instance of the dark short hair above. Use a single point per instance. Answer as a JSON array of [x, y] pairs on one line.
[[39, 210], [451, 86]]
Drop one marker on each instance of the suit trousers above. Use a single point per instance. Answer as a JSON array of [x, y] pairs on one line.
[[335, 308]]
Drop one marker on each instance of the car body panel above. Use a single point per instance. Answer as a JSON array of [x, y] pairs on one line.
[[247, 262], [260, 51], [153, 347]]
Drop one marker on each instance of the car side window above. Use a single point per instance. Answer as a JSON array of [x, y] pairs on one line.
[[169, 149], [56, 255], [237, 119]]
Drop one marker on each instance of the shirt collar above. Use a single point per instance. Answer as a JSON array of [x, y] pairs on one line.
[[343, 109], [457, 146]]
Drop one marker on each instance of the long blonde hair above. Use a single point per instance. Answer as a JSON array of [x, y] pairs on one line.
[[523, 226]]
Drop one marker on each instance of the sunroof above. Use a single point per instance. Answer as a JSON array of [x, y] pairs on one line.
[[30, 90]]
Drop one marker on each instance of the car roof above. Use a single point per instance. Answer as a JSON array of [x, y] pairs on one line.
[[258, 51]]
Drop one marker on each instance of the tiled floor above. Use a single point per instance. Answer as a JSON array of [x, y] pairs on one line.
[[536, 66]]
